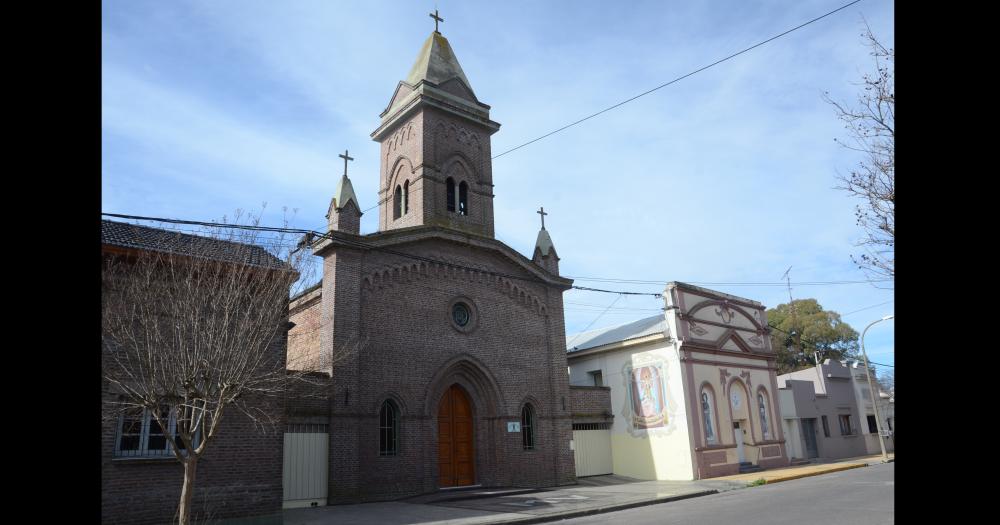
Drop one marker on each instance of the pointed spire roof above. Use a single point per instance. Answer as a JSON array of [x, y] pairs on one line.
[[544, 243], [345, 193], [437, 63]]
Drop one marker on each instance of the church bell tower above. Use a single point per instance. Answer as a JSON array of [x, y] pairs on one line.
[[435, 155]]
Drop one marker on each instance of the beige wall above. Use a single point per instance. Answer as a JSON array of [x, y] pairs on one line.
[[662, 452]]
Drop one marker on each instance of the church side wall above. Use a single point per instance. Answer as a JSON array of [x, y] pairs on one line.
[[649, 447], [304, 337]]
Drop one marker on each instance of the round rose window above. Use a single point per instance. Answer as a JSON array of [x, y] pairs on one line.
[[460, 313]]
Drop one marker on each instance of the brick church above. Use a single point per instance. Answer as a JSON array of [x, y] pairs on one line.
[[459, 374]]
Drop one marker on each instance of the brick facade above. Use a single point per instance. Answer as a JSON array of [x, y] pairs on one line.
[[239, 475]]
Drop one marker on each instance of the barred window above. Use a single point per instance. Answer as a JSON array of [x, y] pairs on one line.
[[591, 426], [388, 439], [139, 435], [527, 427]]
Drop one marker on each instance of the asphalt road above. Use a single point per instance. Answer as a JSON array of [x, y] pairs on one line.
[[862, 496]]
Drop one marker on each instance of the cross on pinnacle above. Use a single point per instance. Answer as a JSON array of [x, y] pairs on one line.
[[541, 211], [346, 158], [436, 19]]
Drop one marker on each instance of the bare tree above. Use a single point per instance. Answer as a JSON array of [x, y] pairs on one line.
[[194, 330], [871, 127]]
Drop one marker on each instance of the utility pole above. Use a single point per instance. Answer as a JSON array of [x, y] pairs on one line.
[[871, 387], [796, 336]]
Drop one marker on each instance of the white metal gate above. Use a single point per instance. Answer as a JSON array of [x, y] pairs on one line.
[[592, 449], [304, 476]]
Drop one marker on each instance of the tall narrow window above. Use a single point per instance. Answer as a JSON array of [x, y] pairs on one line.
[[406, 197], [762, 407], [527, 427], [707, 415], [388, 436], [872, 426], [450, 184], [463, 198], [826, 427], [397, 202]]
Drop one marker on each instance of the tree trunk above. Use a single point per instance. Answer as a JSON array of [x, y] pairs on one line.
[[187, 491]]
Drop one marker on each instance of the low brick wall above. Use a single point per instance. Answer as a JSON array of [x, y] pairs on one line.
[[590, 404]]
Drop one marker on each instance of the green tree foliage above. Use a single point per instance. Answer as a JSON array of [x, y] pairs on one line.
[[814, 329]]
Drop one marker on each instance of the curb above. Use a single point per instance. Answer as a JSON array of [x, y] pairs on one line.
[[819, 473], [602, 510]]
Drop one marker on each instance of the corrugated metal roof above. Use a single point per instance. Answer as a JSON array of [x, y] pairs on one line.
[[613, 334], [154, 239]]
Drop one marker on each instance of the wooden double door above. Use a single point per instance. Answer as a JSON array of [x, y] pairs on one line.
[[456, 451]]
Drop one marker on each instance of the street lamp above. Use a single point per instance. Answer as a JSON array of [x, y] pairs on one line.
[[871, 387]]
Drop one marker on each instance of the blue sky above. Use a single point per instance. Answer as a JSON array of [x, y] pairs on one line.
[[727, 176]]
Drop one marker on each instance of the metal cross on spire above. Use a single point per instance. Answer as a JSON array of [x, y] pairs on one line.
[[541, 211], [346, 158], [436, 18]]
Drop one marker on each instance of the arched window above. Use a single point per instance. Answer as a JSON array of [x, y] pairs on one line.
[[463, 198], [406, 197], [388, 436], [397, 202], [762, 407], [450, 184], [708, 415], [528, 427]]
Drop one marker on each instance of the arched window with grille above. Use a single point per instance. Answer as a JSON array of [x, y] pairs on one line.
[[528, 427], [388, 436], [762, 407], [450, 185], [708, 416], [397, 202], [463, 198]]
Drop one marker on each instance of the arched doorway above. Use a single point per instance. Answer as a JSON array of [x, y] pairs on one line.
[[456, 451]]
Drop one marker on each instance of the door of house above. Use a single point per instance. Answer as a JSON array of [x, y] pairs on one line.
[[738, 434], [809, 433], [456, 453]]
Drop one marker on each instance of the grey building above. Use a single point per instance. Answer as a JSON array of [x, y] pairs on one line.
[[827, 412]]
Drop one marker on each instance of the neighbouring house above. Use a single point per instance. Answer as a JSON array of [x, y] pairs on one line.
[[461, 375], [827, 412], [240, 472], [692, 392]]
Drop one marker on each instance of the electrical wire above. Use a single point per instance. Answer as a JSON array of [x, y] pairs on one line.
[[738, 53]]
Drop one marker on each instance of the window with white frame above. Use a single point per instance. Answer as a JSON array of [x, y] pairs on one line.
[[708, 415], [139, 435]]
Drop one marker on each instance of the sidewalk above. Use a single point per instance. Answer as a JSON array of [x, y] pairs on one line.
[[812, 469], [592, 495]]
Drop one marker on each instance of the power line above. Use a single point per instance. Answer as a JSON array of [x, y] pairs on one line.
[[867, 308], [569, 344], [716, 283], [677, 79]]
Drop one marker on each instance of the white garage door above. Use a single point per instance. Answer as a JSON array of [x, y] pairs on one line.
[[592, 448], [304, 477]]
